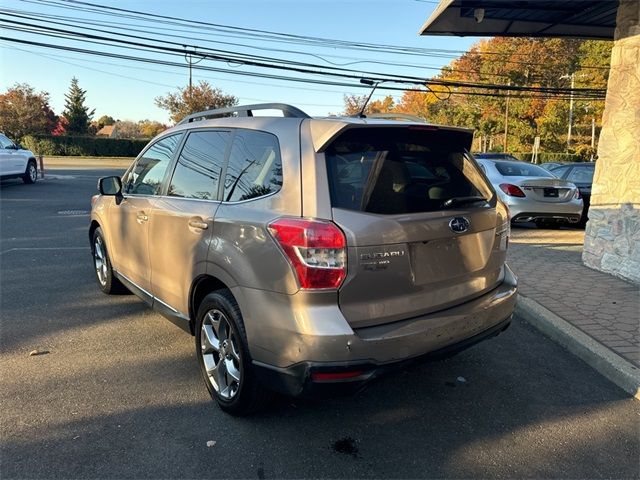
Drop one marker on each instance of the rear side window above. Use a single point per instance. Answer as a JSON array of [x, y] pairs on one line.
[[581, 175], [146, 176], [198, 170], [401, 170], [255, 166], [521, 169]]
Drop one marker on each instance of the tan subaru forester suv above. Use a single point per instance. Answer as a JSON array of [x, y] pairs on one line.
[[307, 255]]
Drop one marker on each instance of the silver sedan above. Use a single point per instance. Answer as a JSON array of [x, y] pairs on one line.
[[533, 194]]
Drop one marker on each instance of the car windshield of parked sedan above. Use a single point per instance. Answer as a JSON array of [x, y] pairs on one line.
[[521, 169]]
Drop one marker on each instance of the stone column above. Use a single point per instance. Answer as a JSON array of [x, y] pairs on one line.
[[612, 237]]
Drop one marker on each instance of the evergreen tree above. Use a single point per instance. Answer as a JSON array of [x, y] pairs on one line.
[[77, 114]]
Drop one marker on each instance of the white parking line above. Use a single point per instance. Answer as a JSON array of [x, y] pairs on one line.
[[42, 248]]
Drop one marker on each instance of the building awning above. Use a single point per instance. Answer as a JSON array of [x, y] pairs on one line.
[[524, 18]]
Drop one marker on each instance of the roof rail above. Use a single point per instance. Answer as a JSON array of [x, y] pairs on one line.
[[398, 116], [245, 111]]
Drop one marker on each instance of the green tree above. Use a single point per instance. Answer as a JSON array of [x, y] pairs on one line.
[[75, 111], [533, 62], [195, 99], [151, 128], [105, 120], [23, 111], [353, 105]]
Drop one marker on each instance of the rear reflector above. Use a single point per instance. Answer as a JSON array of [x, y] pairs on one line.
[[511, 190], [328, 376], [317, 250]]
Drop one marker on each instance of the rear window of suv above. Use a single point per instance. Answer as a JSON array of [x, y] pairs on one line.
[[401, 170]]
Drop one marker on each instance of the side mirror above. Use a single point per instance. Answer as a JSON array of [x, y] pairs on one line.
[[111, 186], [19, 147]]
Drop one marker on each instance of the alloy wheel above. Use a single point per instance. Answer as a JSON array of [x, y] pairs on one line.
[[100, 260], [33, 172], [220, 354]]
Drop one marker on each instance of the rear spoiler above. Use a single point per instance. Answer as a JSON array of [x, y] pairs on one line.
[[323, 132]]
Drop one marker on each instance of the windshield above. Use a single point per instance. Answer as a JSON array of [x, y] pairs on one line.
[[521, 169], [402, 170]]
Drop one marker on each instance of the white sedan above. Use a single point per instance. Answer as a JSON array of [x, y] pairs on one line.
[[15, 162], [532, 193]]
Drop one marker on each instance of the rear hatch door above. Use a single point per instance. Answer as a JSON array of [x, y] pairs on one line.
[[423, 226]]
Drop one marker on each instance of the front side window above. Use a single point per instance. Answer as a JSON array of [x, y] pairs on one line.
[[145, 178], [197, 173], [401, 170], [255, 166]]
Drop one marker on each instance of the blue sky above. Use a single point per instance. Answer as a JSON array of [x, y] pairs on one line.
[[126, 89]]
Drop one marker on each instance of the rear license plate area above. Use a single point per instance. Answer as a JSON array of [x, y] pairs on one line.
[[551, 192]]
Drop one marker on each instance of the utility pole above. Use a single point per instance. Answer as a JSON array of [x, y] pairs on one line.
[[573, 75], [506, 122], [188, 56]]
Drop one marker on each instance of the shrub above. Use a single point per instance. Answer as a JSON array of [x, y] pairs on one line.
[[585, 152], [83, 146]]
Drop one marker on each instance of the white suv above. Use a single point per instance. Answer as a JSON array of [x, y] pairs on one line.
[[15, 162]]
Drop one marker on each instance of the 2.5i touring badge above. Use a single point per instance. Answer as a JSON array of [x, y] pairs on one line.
[[379, 260]]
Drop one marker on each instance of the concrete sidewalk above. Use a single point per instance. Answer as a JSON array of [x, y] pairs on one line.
[[596, 315], [55, 163]]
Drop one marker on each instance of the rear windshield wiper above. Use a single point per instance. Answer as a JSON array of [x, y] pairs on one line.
[[463, 200]]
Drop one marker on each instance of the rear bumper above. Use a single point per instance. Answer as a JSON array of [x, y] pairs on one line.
[[536, 216], [298, 380], [526, 210], [372, 351]]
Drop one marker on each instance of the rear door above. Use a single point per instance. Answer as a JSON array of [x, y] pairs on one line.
[[420, 218], [182, 219]]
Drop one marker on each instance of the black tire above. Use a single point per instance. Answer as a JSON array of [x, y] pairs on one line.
[[109, 284], [31, 172], [250, 396]]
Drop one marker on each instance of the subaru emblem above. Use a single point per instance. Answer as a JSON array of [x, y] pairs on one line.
[[459, 224]]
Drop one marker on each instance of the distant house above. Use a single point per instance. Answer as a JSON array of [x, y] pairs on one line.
[[107, 131]]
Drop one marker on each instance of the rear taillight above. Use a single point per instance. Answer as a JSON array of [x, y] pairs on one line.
[[511, 190], [578, 195], [317, 250]]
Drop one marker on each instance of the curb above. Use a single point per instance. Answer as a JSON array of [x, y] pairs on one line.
[[611, 365]]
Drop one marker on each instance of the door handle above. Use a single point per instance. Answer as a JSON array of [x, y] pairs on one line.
[[141, 217], [198, 223]]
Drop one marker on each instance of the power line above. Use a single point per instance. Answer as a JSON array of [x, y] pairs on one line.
[[278, 64], [267, 35], [270, 76]]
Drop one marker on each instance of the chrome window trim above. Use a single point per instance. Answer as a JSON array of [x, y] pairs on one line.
[[251, 199], [172, 197]]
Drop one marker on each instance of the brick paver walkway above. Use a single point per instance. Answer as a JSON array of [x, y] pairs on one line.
[[550, 271]]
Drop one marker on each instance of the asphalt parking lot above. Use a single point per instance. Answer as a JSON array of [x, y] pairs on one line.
[[118, 393]]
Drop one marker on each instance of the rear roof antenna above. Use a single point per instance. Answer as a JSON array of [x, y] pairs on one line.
[[375, 84]]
